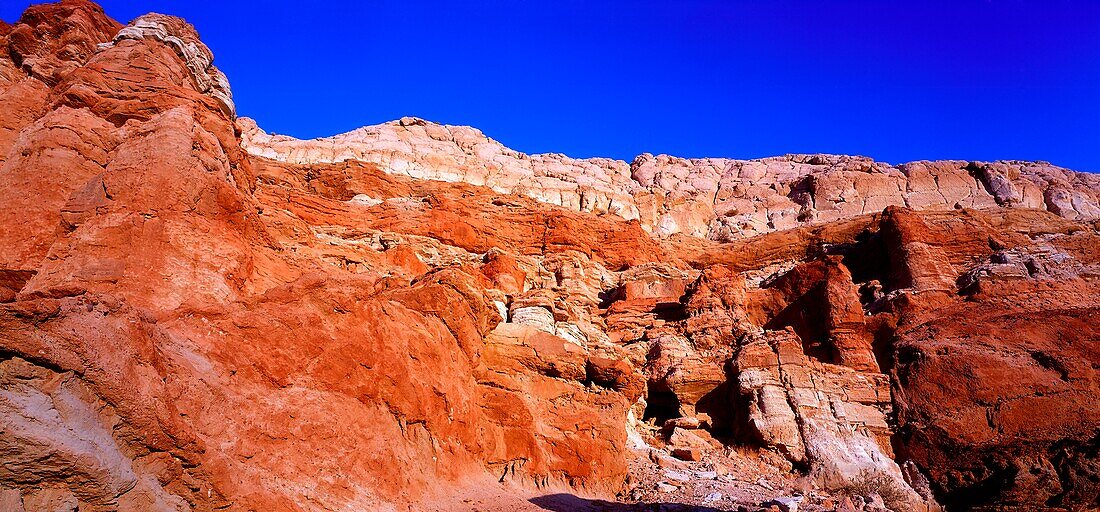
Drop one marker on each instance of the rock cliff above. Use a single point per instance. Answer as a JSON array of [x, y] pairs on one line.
[[197, 315], [716, 198]]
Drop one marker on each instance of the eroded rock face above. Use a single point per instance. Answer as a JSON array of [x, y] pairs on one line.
[[157, 356], [182, 38], [831, 417], [997, 394], [50, 41], [717, 198], [197, 315]]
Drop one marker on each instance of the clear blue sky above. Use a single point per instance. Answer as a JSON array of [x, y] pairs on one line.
[[894, 80]]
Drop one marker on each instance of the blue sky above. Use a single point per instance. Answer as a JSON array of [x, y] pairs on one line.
[[894, 80]]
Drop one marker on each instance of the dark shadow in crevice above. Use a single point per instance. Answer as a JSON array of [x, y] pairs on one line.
[[866, 258], [721, 405], [609, 296], [670, 311], [806, 315], [563, 502], [661, 403]]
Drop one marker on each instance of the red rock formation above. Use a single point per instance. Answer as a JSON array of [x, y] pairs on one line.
[[997, 393], [173, 341], [195, 315], [717, 198]]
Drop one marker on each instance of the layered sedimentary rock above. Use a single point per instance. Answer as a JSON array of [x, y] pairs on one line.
[[717, 198], [196, 315], [182, 38], [997, 392], [829, 416], [156, 354]]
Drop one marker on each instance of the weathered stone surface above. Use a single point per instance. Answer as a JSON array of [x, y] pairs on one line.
[[997, 397], [182, 38], [176, 338], [829, 416], [720, 199], [50, 41], [690, 454], [194, 317], [914, 263]]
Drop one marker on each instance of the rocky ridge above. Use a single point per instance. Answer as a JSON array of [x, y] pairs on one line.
[[717, 198], [195, 315]]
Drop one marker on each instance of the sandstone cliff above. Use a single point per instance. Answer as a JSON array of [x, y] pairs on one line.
[[716, 198], [197, 315]]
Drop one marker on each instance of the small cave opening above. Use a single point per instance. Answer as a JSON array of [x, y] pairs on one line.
[[869, 262], [883, 328], [670, 311], [661, 403], [806, 316], [609, 297], [721, 404]]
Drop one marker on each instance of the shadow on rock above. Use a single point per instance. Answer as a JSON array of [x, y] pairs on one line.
[[569, 503]]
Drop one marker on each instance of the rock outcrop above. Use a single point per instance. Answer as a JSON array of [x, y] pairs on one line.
[[197, 315], [182, 38], [717, 198]]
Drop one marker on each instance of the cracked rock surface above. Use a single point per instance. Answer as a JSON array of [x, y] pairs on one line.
[[198, 315], [717, 198]]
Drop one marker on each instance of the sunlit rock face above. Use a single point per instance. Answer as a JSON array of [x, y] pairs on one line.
[[181, 37], [716, 198], [198, 315]]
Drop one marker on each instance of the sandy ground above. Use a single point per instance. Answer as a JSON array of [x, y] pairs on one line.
[[729, 480]]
